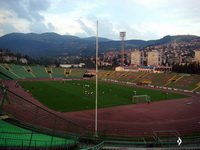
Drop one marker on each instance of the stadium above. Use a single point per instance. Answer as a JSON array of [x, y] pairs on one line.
[[53, 108]]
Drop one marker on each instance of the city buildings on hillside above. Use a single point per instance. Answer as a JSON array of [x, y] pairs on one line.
[[159, 55], [136, 58], [7, 59], [197, 56], [7, 56], [23, 60], [154, 58]]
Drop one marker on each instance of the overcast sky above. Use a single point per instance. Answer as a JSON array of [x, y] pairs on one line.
[[140, 19]]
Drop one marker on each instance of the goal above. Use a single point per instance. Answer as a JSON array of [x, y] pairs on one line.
[[141, 98]]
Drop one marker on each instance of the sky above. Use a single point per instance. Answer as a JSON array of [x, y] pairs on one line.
[[140, 19]]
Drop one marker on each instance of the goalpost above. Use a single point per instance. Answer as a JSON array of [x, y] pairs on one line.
[[141, 98]]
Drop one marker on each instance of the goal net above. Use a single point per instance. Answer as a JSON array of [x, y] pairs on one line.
[[141, 98], [168, 136]]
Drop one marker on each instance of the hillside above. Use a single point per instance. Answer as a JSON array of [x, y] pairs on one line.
[[53, 44]]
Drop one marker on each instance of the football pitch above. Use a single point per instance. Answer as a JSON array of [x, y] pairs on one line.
[[75, 95]]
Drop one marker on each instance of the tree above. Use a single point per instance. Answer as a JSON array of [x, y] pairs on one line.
[[115, 62], [191, 68]]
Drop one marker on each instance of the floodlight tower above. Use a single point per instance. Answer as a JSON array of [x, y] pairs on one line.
[[122, 36]]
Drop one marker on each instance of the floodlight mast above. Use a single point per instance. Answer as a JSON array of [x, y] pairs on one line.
[[96, 97], [122, 36]]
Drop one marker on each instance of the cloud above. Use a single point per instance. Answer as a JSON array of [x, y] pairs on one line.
[[141, 19], [18, 7], [51, 27], [36, 6], [107, 29], [28, 10], [153, 3], [7, 28], [86, 29], [39, 27], [111, 29], [80, 34]]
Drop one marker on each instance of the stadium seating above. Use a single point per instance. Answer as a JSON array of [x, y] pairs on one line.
[[20, 71], [160, 79], [197, 90], [171, 80], [131, 76], [185, 82], [4, 77], [39, 72], [6, 70], [103, 74], [26, 72], [15, 136], [76, 73], [58, 73], [114, 75]]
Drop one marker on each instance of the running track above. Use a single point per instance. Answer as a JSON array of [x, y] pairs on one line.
[[138, 120]]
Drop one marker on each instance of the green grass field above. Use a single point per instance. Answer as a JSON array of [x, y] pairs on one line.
[[70, 95]]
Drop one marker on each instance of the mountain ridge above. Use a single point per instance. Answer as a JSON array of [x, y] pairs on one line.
[[53, 44]]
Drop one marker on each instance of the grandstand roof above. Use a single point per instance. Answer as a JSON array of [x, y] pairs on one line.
[[147, 67]]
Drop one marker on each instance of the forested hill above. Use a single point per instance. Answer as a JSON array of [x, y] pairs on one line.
[[52, 44]]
